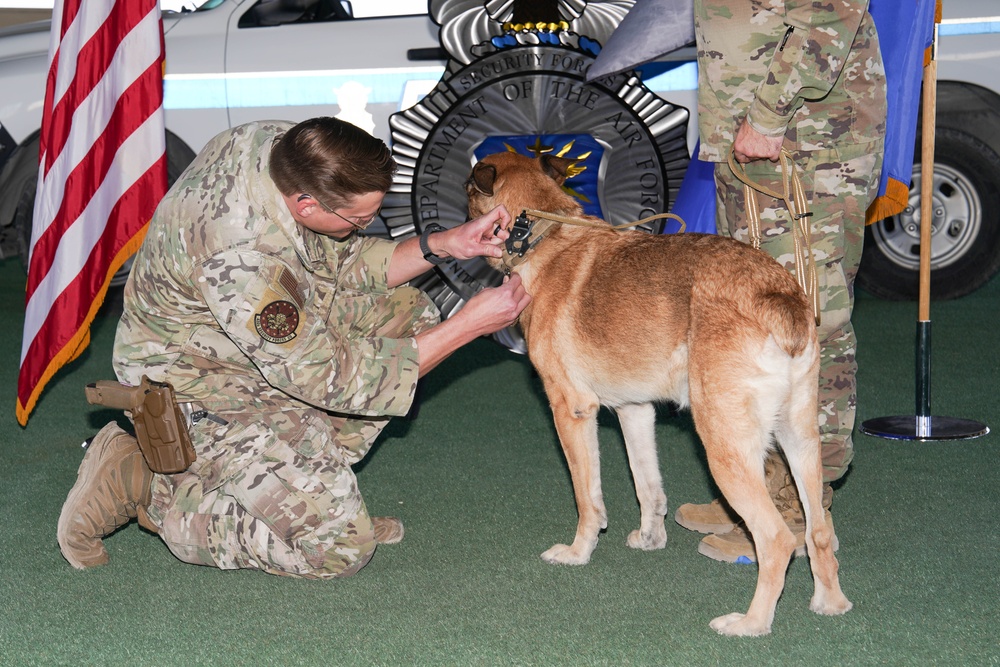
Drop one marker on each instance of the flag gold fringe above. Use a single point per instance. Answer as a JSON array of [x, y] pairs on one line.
[[81, 339], [929, 51], [894, 201]]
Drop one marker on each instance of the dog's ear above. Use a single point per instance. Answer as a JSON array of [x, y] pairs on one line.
[[556, 167], [483, 177]]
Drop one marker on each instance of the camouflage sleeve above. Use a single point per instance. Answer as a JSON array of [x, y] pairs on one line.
[[367, 264], [304, 344], [808, 61]]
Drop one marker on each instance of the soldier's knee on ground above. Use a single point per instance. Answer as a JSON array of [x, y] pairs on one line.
[[351, 551]]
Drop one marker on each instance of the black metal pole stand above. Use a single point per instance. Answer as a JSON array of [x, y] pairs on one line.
[[923, 426]]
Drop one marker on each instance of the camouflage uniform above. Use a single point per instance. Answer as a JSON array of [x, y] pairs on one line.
[[811, 72], [288, 351]]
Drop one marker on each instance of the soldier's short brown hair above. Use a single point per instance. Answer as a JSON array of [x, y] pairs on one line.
[[331, 160]]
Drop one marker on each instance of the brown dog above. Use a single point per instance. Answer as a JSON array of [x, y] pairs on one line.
[[624, 319]]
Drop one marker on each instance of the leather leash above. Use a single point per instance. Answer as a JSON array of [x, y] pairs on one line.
[[586, 223], [525, 234], [794, 196]]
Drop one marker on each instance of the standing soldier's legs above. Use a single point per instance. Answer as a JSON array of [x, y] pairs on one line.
[[839, 191]]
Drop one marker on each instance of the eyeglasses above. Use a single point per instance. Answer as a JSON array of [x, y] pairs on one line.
[[359, 225]]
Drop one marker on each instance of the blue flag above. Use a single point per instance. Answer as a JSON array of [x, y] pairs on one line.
[[905, 32], [695, 203]]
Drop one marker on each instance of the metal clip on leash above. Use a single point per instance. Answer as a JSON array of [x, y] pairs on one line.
[[794, 196]]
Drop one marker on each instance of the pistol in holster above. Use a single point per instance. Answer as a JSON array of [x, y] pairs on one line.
[[160, 427]]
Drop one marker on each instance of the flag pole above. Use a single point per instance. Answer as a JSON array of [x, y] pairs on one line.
[[923, 426]]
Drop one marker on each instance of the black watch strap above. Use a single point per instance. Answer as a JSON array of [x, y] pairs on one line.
[[426, 249]]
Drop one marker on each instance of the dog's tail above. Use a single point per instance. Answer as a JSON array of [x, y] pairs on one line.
[[789, 319]]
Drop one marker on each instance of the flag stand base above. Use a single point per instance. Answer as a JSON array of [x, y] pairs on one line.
[[920, 425], [916, 427]]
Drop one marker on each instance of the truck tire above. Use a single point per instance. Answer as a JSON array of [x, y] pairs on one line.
[[965, 240]]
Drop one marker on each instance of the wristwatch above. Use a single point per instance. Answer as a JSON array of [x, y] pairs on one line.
[[426, 249]]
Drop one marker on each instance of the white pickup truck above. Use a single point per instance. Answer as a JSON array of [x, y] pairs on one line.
[[232, 61]]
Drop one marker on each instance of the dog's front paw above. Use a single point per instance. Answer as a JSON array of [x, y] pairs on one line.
[[648, 541], [738, 625], [564, 554]]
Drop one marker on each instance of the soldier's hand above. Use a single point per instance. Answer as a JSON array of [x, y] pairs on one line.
[[751, 145], [482, 237], [496, 308]]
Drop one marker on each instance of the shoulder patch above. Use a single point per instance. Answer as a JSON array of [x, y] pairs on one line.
[[277, 321]]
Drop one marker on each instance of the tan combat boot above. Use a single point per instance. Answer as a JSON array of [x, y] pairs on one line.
[[112, 487], [736, 545], [388, 529], [713, 517]]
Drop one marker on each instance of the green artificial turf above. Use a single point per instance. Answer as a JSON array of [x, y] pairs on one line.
[[481, 485]]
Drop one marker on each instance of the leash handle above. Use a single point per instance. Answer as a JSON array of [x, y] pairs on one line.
[[794, 197]]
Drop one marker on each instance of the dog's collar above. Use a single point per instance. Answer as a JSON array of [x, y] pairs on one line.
[[525, 234]]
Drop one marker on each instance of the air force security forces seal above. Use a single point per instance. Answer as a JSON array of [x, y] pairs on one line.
[[277, 321]]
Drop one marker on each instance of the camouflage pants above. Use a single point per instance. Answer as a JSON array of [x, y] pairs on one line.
[[274, 490], [839, 187]]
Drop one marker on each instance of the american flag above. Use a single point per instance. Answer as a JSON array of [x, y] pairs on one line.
[[102, 171]]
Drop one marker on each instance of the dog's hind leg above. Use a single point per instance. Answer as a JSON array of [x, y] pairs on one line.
[[799, 439], [736, 431], [638, 426], [576, 422], [742, 484]]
